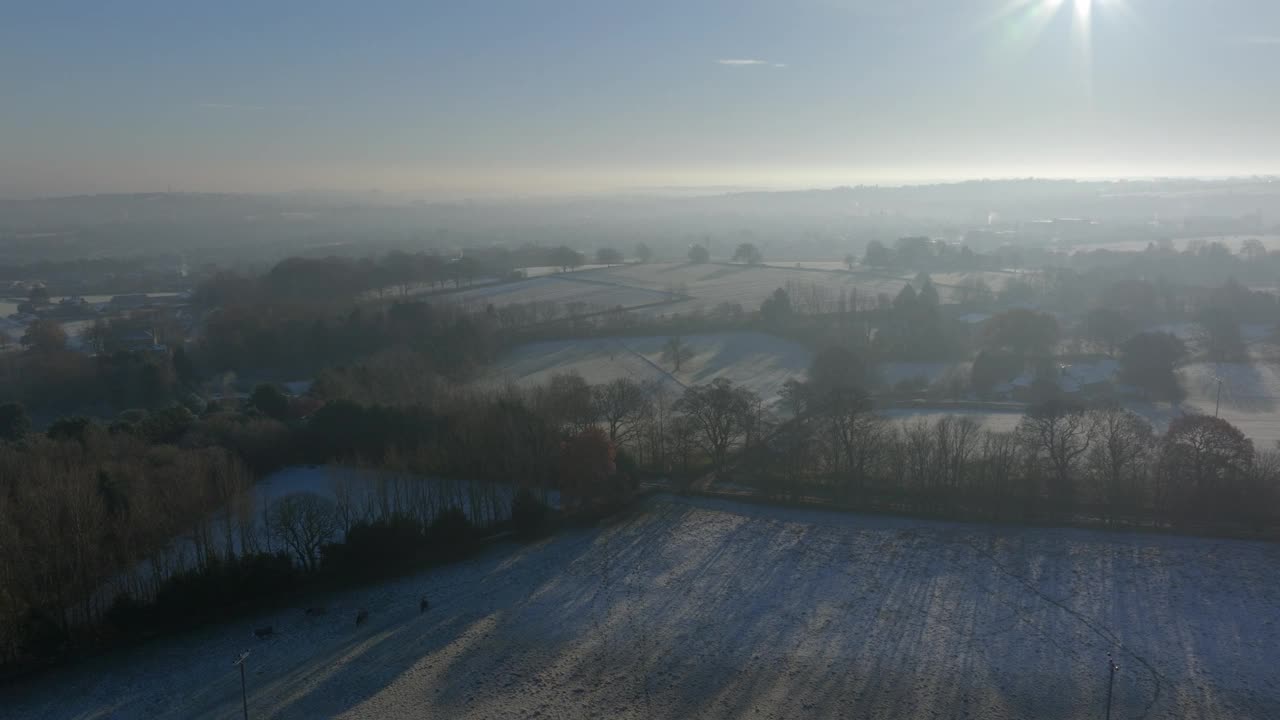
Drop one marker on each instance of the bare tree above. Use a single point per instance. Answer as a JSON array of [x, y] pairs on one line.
[[1205, 457], [957, 441], [845, 412], [303, 522], [621, 404], [919, 453], [1059, 433], [720, 414], [567, 401], [1001, 453], [656, 424], [1122, 444], [748, 253], [346, 504], [795, 396], [676, 351]]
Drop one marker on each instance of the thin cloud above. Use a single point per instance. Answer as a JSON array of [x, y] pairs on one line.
[[743, 62], [1260, 40]]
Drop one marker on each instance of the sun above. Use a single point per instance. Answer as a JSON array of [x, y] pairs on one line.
[[1026, 19], [1021, 24]]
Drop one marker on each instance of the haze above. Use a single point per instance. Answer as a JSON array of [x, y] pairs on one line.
[[666, 359], [572, 97]]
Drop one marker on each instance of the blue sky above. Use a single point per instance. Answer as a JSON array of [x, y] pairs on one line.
[[565, 96]]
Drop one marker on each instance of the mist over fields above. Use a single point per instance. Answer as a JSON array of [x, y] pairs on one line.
[[812, 224]]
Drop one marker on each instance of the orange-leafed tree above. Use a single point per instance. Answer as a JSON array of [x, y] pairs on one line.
[[589, 470]]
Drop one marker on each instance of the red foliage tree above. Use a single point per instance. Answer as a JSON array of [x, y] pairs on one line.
[[589, 471]]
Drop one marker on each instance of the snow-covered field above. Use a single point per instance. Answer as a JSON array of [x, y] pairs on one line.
[[762, 363], [754, 360], [809, 264], [711, 609], [710, 285], [566, 288], [364, 487], [1250, 397], [362, 491], [993, 420], [702, 286], [892, 373], [541, 270], [705, 285], [1233, 243]]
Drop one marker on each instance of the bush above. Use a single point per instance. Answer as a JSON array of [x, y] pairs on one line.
[[14, 421], [450, 530], [69, 428], [126, 614], [270, 401], [265, 445], [224, 587], [377, 548], [41, 636], [528, 513]]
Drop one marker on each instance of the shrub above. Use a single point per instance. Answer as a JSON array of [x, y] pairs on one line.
[[377, 548], [528, 513], [450, 529], [223, 587]]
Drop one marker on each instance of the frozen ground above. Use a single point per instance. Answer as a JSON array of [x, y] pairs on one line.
[[809, 264], [541, 270], [709, 285], [993, 420], [1250, 397], [364, 491], [757, 361], [1233, 242], [565, 288], [670, 288], [711, 609], [705, 285]]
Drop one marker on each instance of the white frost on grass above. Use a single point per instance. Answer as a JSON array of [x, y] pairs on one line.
[[568, 288], [1250, 397], [711, 609], [894, 372], [757, 361], [661, 286], [992, 420]]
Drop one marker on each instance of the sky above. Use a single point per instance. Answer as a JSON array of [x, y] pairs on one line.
[[564, 96]]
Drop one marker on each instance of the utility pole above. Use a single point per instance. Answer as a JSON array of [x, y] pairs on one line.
[[1217, 399], [240, 661], [1111, 681]]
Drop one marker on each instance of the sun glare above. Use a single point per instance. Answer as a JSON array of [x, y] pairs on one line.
[[1022, 23]]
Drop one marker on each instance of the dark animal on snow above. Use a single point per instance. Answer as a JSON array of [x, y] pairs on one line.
[[264, 632], [423, 605], [361, 617]]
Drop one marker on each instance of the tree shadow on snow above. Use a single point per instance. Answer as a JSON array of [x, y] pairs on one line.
[[709, 609]]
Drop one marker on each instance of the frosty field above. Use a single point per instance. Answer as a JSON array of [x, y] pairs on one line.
[[659, 287], [711, 609], [757, 361]]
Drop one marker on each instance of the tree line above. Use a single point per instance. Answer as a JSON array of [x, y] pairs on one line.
[[106, 524]]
